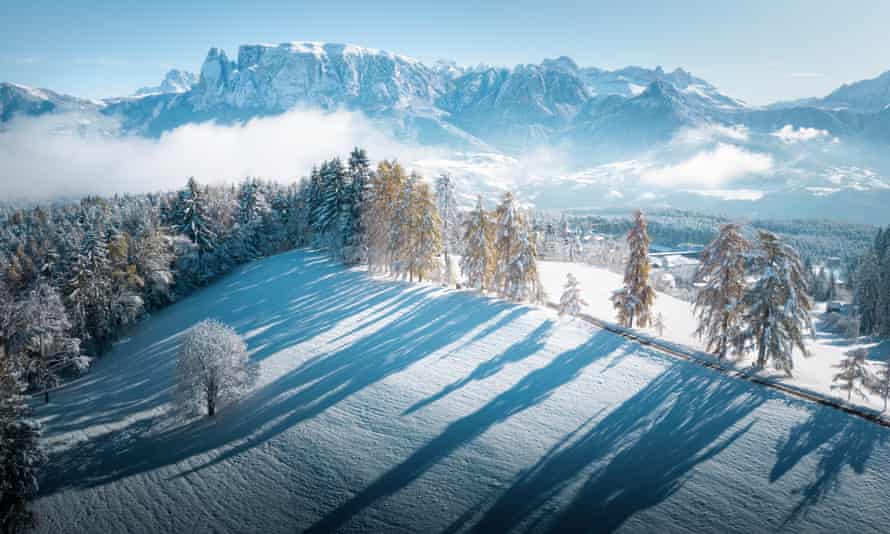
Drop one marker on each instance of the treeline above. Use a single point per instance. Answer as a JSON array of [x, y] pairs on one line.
[[871, 287], [74, 276], [815, 240]]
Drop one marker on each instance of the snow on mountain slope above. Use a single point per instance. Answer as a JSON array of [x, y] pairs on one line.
[[175, 81], [388, 407]]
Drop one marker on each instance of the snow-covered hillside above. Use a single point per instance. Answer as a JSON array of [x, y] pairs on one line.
[[813, 374], [388, 407]]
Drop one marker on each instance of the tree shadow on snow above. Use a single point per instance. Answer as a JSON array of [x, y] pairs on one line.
[[518, 352], [640, 454], [532, 389], [839, 440], [281, 311]]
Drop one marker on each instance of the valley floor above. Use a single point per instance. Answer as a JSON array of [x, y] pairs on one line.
[[388, 407]]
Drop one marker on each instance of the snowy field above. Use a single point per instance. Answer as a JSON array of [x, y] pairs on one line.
[[814, 373], [388, 407]]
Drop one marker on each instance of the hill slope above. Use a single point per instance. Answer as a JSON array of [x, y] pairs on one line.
[[383, 406]]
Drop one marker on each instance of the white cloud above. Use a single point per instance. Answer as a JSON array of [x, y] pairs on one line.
[[710, 168], [38, 162], [788, 134], [709, 133]]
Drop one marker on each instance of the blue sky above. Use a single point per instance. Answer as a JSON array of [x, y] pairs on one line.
[[756, 50]]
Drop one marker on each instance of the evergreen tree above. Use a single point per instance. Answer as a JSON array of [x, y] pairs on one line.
[[718, 304], [477, 263], [43, 329], [21, 455], [881, 384], [333, 207], [90, 290], [868, 291], [854, 375], [571, 301], [508, 225], [192, 219], [777, 306], [634, 300], [882, 304], [354, 239], [523, 280], [447, 208]]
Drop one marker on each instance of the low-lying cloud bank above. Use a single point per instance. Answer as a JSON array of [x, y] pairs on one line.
[[55, 156], [711, 168]]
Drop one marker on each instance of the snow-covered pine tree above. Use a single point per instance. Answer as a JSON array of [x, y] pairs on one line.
[[252, 206], [90, 290], [477, 263], [868, 291], [447, 207], [424, 238], [659, 324], [575, 248], [192, 219], [213, 368], [330, 212], [882, 306], [508, 225], [718, 303], [43, 330], [21, 455], [315, 196], [880, 385], [571, 300], [524, 282], [854, 376], [777, 306], [634, 300], [354, 239]]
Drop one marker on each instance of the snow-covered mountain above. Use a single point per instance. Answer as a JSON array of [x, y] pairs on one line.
[[175, 81], [509, 109], [596, 119], [18, 99]]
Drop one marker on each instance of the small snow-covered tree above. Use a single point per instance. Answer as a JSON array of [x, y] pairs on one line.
[[718, 304], [571, 301], [213, 368], [21, 455], [477, 263], [880, 384], [659, 324], [43, 332], [634, 300], [523, 280], [778, 305], [854, 375]]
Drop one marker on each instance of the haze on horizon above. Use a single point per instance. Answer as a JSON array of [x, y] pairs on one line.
[[758, 51]]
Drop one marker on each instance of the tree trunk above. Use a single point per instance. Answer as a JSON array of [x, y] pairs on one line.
[[211, 408], [46, 396]]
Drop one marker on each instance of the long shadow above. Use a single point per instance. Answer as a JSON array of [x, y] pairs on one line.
[[426, 326], [525, 348], [532, 389], [838, 439], [138, 375], [640, 454]]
